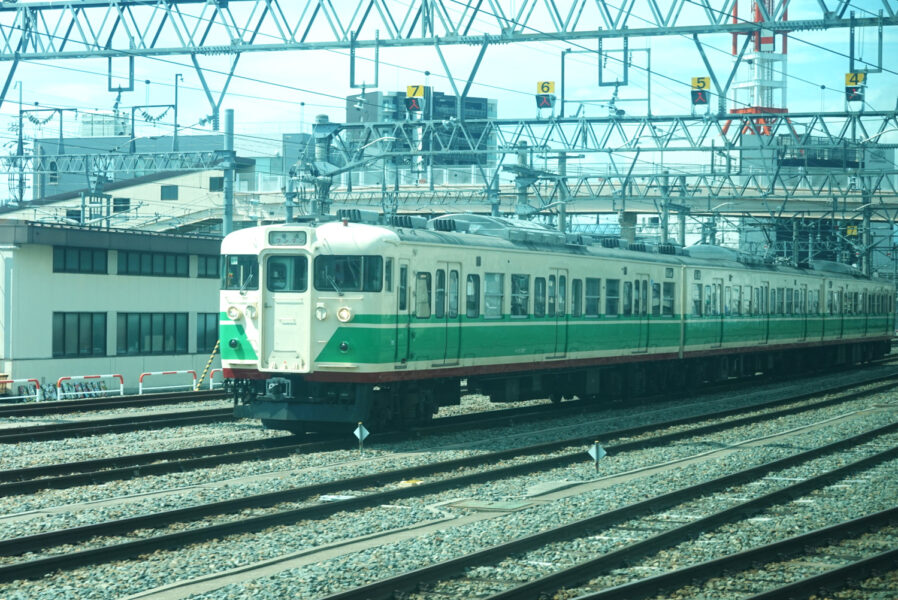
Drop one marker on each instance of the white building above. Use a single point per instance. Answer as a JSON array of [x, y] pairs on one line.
[[82, 301]]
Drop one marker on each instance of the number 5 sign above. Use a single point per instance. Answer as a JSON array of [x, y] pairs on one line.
[[700, 83], [545, 87]]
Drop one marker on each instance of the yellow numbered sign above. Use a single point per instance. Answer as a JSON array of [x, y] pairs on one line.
[[701, 83], [414, 91], [855, 78], [851, 230], [545, 87]]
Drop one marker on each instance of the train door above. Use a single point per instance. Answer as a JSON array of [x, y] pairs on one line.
[[446, 303], [557, 294], [403, 316], [717, 311], [283, 330], [802, 310], [641, 311]]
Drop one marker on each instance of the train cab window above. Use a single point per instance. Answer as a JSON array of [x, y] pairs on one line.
[[439, 308], [240, 272], [493, 295], [593, 296], [576, 297], [349, 273], [539, 297], [520, 295], [422, 295], [550, 292], [287, 273], [472, 296], [612, 297], [627, 308], [697, 299], [453, 294], [667, 298], [561, 309]]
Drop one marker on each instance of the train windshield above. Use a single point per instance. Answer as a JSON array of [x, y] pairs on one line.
[[349, 273], [287, 273], [240, 272]]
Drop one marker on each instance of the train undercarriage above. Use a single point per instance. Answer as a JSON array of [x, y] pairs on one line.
[[294, 404]]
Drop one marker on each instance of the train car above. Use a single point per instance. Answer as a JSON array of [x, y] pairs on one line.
[[328, 323]]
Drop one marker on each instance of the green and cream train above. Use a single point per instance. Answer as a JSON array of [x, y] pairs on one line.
[[327, 323]]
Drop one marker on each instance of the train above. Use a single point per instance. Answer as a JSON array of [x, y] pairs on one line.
[[360, 317]]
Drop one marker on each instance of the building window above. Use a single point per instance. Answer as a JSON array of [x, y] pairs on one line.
[[168, 192], [206, 332], [216, 184], [73, 214], [151, 333], [79, 260], [120, 205], [79, 334], [207, 266], [155, 264]]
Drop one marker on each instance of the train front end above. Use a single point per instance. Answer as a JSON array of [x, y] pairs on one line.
[[296, 309]]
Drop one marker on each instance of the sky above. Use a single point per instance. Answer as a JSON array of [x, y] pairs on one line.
[[278, 92]]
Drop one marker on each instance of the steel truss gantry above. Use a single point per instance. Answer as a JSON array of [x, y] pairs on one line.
[[747, 162], [141, 28]]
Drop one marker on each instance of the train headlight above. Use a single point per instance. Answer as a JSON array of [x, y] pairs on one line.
[[234, 313], [251, 311], [320, 313], [344, 314]]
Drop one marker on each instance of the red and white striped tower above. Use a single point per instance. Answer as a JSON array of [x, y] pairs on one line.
[[760, 85]]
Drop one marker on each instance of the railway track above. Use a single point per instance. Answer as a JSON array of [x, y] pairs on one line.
[[448, 579], [62, 475], [57, 407], [510, 463], [58, 431]]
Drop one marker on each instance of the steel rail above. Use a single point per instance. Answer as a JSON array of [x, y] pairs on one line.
[[409, 581], [92, 404], [833, 579], [651, 586], [58, 431], [69, 560]]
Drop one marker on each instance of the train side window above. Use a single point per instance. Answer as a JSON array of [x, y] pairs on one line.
[[628, 298], [472, 296], [562, 296], [789, 301], [727, 300], [576, 297], [667, 298], [697, 299], [612, 297], [453, 294], [593, 296], [520, 295], [746, 300], [403, 288], [439, 309], [551, 294], [493, 295], [709, 301], [644, 298], [656, 299], [539, 297], [422, 295], [388, 275]]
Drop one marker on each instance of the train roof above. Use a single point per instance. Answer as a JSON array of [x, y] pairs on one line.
[[480, 231]]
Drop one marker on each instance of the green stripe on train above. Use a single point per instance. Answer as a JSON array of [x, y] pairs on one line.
[[229, 330], [431, 340]]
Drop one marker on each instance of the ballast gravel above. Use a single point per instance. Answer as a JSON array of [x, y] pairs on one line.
[[128, 577]]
